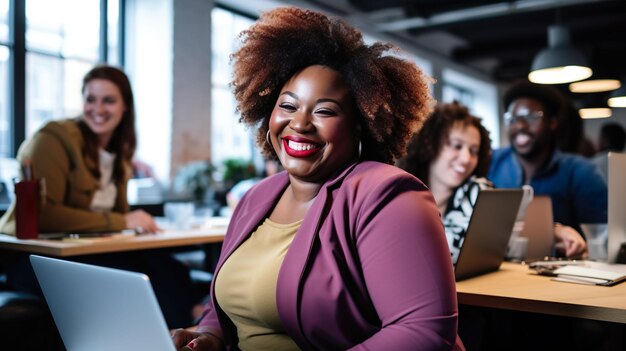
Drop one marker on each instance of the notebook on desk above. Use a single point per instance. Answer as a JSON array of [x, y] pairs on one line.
[[591, 273], [97, 308], [488, 232]]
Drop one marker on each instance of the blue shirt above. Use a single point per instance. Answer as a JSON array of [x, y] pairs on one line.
[[575, 185]]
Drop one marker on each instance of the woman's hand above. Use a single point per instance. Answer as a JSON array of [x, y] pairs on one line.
[[569, 241], [141, 221], [188, 340]]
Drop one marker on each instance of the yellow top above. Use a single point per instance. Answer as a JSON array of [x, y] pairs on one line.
[[245, 287]]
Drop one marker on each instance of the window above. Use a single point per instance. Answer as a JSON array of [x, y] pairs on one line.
[[452, 92], [59, 41], [114, 52], [4, 21], [479, 96], [5, 136], [5, 56], [61, 46], [229, 138]]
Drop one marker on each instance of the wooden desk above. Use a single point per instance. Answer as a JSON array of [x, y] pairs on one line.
[[168, 238], [513, 287]]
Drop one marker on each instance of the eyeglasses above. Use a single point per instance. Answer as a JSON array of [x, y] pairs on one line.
[[530, 118]]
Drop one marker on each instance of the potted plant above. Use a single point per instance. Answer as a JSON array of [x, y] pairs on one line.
[[236, 170], [195, 179]]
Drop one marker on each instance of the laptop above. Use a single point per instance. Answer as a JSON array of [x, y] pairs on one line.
[[616, 208], [538, 228], [102, 309], [488, 232]]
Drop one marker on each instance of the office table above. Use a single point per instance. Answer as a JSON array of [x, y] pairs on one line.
[[117, 243], [514, 287]]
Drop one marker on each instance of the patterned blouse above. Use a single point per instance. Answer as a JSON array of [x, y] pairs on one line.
[[459, 210]]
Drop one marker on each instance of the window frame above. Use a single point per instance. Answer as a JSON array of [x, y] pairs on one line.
[[255, 154], [17, 62]]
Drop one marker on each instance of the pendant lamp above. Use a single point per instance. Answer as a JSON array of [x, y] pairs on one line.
[[594, 106], [595, 85], [618, 97], [595, 112], [560, 62]]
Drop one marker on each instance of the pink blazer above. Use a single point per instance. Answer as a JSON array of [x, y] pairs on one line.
[[369, 268]]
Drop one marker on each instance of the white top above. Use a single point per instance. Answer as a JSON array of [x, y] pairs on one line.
[[104, 198]]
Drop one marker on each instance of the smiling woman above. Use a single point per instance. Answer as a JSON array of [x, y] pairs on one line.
[[313, 127], [103, 108], [86, 163], [451, 155], [341, 237]]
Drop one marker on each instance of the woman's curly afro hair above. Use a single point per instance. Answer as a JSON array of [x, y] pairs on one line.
[[426, 145], [390, 94]]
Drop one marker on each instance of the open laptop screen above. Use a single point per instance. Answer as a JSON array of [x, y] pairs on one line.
[[617, 205], [488, 232], [102, 309]]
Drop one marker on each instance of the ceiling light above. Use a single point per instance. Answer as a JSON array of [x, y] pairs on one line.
[[618, 97], [595, 112], [593, 106], [594, 85], [560, 62]]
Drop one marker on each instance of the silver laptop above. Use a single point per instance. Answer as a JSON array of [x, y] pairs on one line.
[[97, 308], [617, 207], [538, 228], [488, 232]]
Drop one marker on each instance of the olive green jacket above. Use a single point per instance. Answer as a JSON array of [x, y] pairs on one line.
[[56, 154]]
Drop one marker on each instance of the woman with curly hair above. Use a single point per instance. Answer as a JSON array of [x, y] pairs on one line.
[[341, 250], [451, 155]]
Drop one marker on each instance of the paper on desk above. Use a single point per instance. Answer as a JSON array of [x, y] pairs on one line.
[[595, 273], [100, 238], [580, 280], [195, 223], [216, 222]]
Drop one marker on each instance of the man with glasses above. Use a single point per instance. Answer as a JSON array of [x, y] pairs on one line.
[[577, 190]]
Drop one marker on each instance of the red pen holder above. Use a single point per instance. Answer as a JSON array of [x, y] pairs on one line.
[[26, 202]]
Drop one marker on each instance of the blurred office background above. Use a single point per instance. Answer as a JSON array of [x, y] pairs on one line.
[[176, 53]]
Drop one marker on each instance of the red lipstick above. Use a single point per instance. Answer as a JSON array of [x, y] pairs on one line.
[[306, 147]]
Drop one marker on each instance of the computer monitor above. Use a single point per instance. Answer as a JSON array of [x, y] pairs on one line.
[[617, 205]]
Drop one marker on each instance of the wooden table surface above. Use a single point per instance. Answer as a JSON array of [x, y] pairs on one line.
[[115, 243], [514, 287]]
